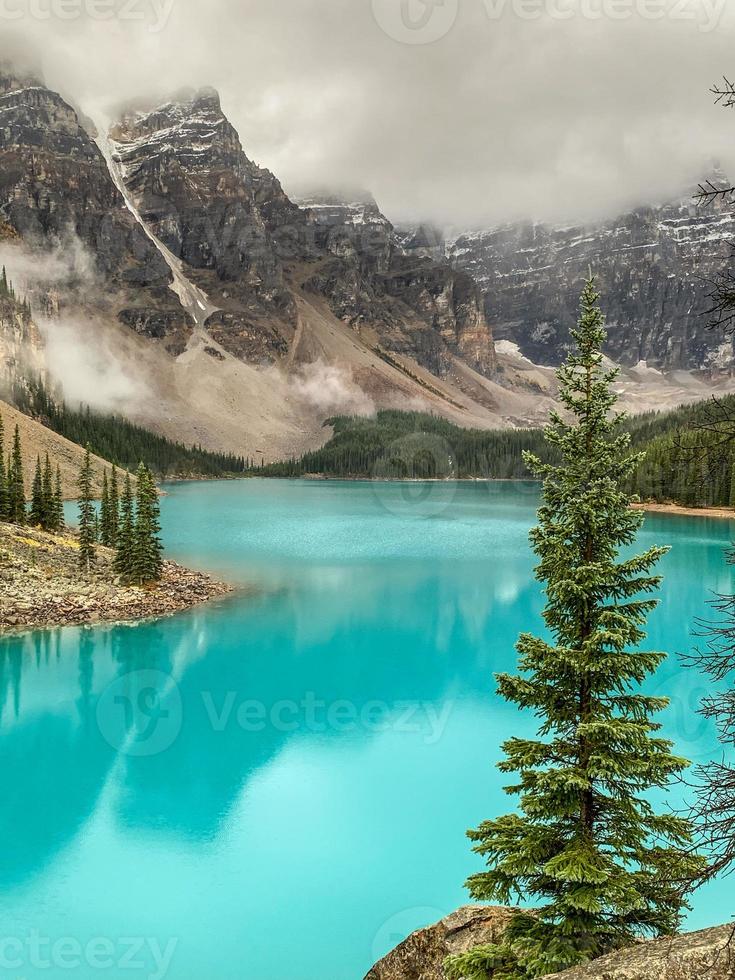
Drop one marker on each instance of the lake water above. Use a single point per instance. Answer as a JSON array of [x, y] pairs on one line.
[[278, 785]]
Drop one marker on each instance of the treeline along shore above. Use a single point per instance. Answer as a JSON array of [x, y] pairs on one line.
[[687, 454]]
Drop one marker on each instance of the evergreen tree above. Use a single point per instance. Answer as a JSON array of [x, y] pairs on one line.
[[105, 525], [126, 534], [59, 523], [38, 509], [87, 516], [4, 498], [147, 549], [48, 496], [16, 484], [586, 843], [114, 508]]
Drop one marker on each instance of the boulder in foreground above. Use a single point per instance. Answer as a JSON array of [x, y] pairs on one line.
[[422, 955], [705, 955]]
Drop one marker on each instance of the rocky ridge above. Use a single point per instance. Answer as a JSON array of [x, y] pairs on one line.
[[652, 265], [56, 194], [253, 250]]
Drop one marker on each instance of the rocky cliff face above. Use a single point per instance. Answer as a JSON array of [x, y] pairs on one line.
[[21, 344], [215, 210], [254, 251], [652, 265], [56, 194], [415, 305]]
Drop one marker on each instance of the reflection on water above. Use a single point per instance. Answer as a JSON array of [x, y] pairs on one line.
[[275, 781]]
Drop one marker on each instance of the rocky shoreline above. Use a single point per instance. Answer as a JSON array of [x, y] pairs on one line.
[[40, 586], [709, 953], [722, 513]]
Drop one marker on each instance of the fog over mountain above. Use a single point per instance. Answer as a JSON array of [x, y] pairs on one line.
[[462, 112]]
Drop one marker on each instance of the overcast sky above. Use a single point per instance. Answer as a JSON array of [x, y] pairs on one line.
[[465, 112]]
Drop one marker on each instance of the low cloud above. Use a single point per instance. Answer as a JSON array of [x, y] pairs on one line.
[[68, 264], [81, 360], [331, 390]]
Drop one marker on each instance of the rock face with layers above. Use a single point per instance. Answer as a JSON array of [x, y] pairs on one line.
[[56, 195], [253, 250], [21, 344], [215, 210], [422, 955], [652, 265], [415, 305]]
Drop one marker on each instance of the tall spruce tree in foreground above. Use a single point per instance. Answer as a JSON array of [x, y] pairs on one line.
[[87, 516], [586, 847]]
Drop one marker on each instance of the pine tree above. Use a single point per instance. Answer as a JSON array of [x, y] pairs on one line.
[[586, 843], [37, 505], [4, 498], [16, 483], [114, 506], [126, 534], [59, 523], [48, 496], [147, 549], [105, 535], [87, 516]]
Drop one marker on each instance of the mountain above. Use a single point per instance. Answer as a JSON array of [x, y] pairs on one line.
[[56, 193], [652, 265], [168, 277], [227, 314], [250, 248]]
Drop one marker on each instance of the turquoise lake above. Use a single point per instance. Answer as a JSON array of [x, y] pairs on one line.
[[277, 785]]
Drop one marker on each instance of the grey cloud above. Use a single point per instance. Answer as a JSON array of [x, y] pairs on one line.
[[512, 112]]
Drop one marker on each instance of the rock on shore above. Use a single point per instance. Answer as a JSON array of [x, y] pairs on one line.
[[422, 955], [40, 585], [708, 954]]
